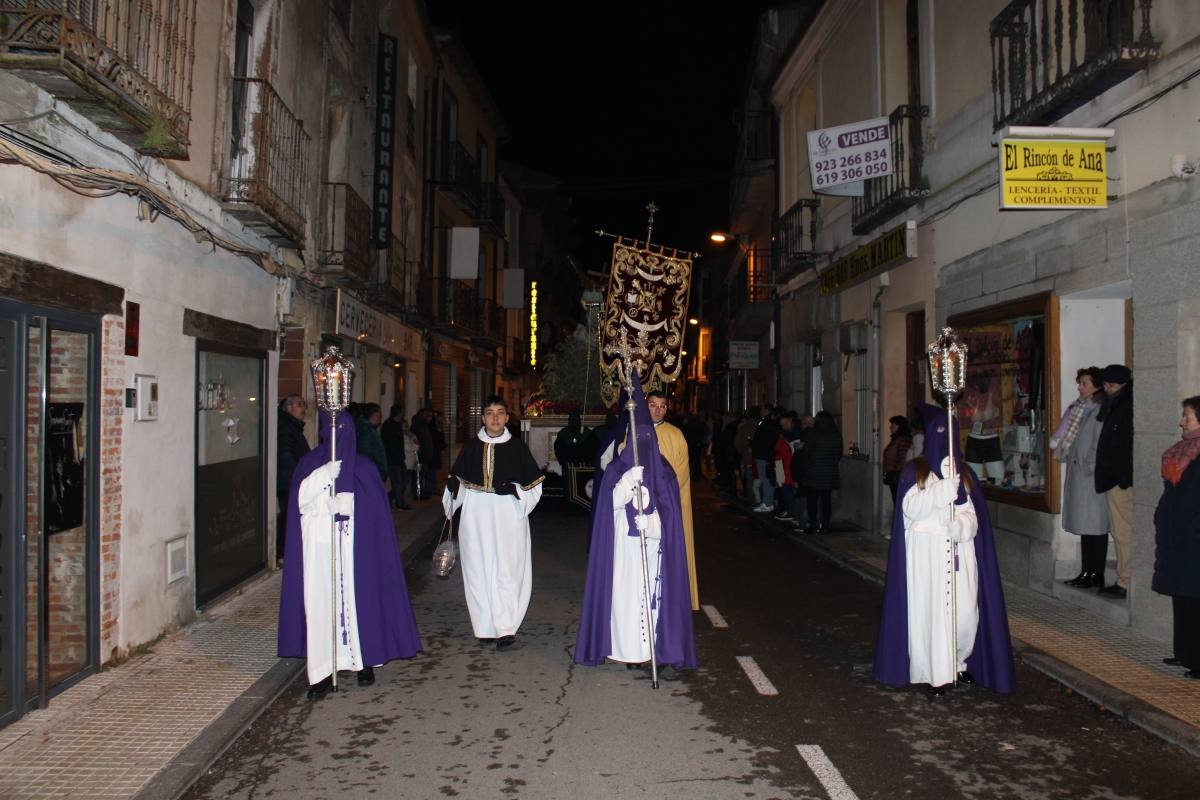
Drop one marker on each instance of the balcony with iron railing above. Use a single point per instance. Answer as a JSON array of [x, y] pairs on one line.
[[398, 287], [494, 322], [124, 64], [888, 195], [515, 354], [460, 172], [794, 241], [268, 171], [456, 305], [1050, 57], [491, 207], [346, 236], [754, 167]]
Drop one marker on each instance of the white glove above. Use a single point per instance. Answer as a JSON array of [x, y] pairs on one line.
[[954, 529], [344, 504], [641, 521], [631, 478], [331, 471], [945, 491]]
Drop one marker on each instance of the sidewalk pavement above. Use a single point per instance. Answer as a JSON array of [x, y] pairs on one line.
[[149, 727], [1108, 663]]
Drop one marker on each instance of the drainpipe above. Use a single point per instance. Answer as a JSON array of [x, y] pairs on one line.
[[877, 410], [432, 112]]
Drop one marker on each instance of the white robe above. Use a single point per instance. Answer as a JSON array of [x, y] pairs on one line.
[[627, 620], [495, 552], [929, 559], [316, 528]]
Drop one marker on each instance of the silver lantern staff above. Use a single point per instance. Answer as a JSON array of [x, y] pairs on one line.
[[948, 371], [626, 372], [333, 375]]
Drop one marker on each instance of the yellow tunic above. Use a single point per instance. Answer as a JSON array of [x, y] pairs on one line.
[[674, 448]]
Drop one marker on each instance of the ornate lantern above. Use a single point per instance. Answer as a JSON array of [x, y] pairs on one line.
[[333, 375], [948, 364]]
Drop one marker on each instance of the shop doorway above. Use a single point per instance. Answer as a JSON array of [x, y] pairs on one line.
[[49, 509], [231, 542], [915, 360]]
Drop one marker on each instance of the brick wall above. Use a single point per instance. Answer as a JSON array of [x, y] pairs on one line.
[[112, 424]]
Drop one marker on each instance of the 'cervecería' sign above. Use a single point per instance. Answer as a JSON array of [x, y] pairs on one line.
[[895, 246], [1052, 173]]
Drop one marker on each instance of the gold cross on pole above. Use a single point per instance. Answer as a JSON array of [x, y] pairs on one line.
[[652, 208]]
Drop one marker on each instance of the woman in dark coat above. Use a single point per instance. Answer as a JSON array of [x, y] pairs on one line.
[[822, 452], [1177, 539], [895, 455]]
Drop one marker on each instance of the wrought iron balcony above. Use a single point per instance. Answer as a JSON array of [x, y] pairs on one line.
[[124, 64], [1051, 56], [346, 243], [268, 172], [886, 196], [495, 321], [456, 305], [399, 280], [756, 140], [515, 354], [460, 172], [491, 206], [794, 242]]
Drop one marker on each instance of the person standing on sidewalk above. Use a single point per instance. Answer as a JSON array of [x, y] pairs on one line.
[[822, 456], [421, 428], [291, 446], [393, 436], [368, 417], [497, 484], [1114, 469], [762, 448], [674, 448], [1084, 511], [745, 457], [1177, 539], [942, 533], [371, 605], [783, 469], [895, 455]]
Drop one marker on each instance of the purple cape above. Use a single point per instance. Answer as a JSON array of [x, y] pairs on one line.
[[673, 640], [387, 629], [991, 661]]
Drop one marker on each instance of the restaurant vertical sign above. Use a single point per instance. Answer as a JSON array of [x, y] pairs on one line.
[[385, 139]]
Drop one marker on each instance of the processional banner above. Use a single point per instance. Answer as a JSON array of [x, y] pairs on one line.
[[647, 301]]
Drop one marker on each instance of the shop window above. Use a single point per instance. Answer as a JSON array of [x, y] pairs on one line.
[[1010, 399]]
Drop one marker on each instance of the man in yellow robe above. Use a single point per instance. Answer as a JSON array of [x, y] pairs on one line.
[[674, 448]]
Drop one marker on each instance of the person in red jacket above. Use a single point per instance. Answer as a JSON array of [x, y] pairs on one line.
[[783, 470]]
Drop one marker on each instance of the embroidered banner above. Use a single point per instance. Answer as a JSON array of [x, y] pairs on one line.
[[648, 300]]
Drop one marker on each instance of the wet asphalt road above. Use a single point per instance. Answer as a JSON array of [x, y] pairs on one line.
[[462, 720]]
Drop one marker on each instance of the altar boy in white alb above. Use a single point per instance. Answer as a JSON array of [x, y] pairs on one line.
[[497, 484]]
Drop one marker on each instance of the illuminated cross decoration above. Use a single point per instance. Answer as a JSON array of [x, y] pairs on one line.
[[652, 208]]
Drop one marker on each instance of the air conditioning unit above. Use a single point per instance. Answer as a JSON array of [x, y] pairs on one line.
[[853, 338]]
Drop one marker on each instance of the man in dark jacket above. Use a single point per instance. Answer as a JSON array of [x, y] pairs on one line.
[[367, 420], [291, 445], [1114, 468], [392, 434], [422, 429], [762, 447]]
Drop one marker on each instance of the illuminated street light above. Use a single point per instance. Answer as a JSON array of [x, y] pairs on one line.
[[719, 237], [693, 321]]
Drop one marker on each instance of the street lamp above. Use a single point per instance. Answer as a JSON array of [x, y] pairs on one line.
[[693, 321], [719, 237]]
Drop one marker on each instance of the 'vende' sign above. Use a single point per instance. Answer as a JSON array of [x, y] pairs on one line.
[[849, 153], [1052, 173]]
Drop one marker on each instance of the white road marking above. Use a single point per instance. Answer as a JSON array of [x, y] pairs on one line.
[[715, 617], [826, 772], [761, 683]]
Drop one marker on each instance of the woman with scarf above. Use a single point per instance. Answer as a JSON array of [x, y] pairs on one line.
[[1084, 510], [1177, 539]]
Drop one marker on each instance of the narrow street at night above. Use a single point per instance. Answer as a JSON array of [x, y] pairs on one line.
[[462, 720]]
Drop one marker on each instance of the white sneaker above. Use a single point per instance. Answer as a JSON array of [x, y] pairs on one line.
[[762, 509]]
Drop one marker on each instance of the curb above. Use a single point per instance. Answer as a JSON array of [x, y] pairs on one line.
[[170, 782], [1109, 698]]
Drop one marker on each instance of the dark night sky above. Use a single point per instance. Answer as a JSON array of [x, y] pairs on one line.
[[627, 102]]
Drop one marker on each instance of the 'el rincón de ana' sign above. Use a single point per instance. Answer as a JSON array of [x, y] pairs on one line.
[[894, 247], [1049, 173]]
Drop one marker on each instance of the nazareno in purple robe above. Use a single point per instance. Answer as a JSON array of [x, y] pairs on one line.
[[387, 629], [991, 661], [674, 644]]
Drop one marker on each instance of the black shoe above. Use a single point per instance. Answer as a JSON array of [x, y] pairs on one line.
[[1194, 674], [485, 641], [935, 691], [1079, 579], [366, 676], [966, 677], [1116, 590], [319, 689], [1172, 662], [505, 642], [1091, 581]]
